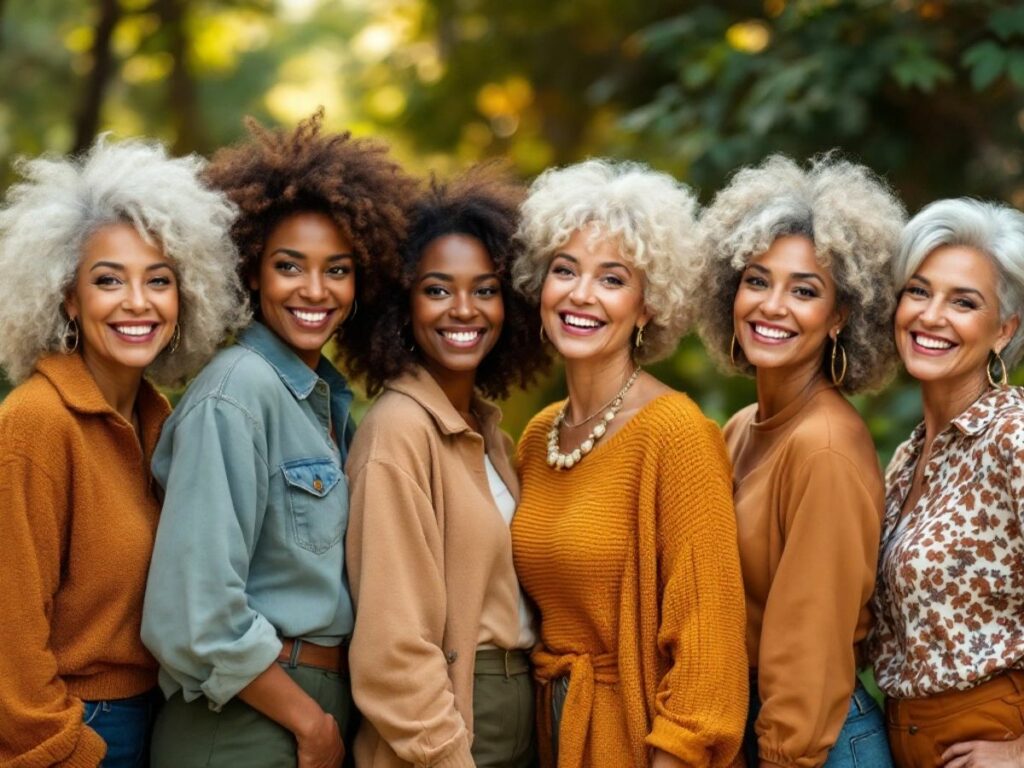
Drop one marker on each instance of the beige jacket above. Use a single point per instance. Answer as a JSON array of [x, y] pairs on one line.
[[428, 554]]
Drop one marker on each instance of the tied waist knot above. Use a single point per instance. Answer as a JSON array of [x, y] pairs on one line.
[[585, 671]]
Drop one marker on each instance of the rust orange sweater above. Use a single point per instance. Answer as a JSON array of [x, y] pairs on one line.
[[631, 558], [77, 521]]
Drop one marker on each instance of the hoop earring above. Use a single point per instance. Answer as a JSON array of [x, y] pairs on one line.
[[732, 351], [70, 329], [543, 336], [837, 379], [1004, 378], [402, 338], [639, 342], [355, 308], [175, 340]]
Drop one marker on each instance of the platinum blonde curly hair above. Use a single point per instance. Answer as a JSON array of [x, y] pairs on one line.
[[649, 214], [854, 221], [48, 216], [995, 230]]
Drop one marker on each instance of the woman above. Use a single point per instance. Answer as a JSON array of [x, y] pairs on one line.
[[794, 295], [439, 666], [625, 533], [116, 267], [949, 639], [246, 608]]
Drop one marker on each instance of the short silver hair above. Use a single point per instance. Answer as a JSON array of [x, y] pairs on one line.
[[61, 201], [994, 229], [649, 214]]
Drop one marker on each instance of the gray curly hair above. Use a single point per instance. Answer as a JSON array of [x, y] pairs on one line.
[[995, 230], [649, 214], [48, 216], [854, 221]]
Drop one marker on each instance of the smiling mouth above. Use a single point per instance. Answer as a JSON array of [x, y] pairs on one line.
[[580, 323], [310, 318], [462, 338], [135, 333], [770, 334], [932, 344]]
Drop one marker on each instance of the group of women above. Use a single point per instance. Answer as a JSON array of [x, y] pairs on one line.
[[253, 581]]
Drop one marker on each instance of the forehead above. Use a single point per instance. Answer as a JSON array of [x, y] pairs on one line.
[[121, 243], [308, 232], [592, 242], [455, 254], [960, 266], [792, 254]]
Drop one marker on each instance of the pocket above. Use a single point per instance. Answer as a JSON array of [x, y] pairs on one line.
[[871, 749], [316, 505]]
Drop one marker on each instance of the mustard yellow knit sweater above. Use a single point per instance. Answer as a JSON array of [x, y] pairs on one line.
[[631, 558]]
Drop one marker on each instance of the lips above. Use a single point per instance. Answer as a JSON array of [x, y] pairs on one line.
[[311, 318], [927, 344], [463, 338], [580, 324], [135, 333], [767, 333]]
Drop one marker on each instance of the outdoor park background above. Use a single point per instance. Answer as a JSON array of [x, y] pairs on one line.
[[929, 94]]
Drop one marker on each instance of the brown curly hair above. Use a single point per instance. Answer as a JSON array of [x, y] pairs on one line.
[[354, 182], [482, 203]]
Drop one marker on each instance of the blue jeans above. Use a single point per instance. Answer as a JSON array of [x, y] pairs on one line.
[[125, 724], [862, 742]]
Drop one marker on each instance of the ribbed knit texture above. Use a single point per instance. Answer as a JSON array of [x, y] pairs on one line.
[[631, 558], [77, 521]]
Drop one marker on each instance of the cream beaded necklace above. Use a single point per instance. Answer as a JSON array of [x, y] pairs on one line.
[[560, 460]]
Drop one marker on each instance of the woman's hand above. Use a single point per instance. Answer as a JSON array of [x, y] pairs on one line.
[[985, 754], [319, 743]]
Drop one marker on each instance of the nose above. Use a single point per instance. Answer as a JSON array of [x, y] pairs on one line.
[[932, 312], [463, 308], [313, 289], [582, 292], [136, 299], [774, 303]]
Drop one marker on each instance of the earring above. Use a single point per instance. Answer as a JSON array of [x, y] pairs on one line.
[[1003, 376], [732, 351], [402, 338], [352, 313], [543, 336], [175, 340], [639, 342], [70, 329], [837, 379]]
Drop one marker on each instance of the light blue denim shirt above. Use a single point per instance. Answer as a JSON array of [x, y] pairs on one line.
[[249, 547]]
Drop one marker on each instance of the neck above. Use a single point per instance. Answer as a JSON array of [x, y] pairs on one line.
[[310, 358], [118, 384], [592, 383], [944, 400], [458, 386], [778, 387]]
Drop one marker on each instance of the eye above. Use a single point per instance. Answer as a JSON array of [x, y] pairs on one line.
[[340, 270], [915, 291], [161, 281], [488, 291], [613, 281], [755, 281], [107, 281], [286, 267], [805, 292], [964, 303], [436, 291], [561, 270]]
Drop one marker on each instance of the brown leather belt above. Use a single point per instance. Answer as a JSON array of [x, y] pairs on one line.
[[296, 652]]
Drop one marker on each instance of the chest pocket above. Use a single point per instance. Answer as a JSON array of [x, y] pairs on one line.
[[317, 510]]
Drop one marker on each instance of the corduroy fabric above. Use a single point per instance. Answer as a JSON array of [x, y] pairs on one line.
[[631, 558]]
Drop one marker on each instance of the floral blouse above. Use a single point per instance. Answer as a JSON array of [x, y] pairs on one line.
[[949, 601]]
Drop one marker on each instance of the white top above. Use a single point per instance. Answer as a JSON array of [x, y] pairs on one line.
[[506, 504]]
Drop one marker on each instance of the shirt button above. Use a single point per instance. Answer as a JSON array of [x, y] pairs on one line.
[[321, 386], [912, 730], [452, 656], [318, 484]]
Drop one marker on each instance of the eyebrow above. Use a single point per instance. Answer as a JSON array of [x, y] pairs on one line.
[[300, 255], [603, 264], [956, 289], [450, 279], [120, 267], [792, 276]]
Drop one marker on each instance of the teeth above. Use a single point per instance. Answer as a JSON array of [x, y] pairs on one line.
[[929, 342], [772, 333], [134, 330], [581, 322], [462, 337], [309, 317]]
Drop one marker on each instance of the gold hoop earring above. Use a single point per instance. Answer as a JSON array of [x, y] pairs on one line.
[[70, 329], [543, 336], [1004, 378], [837, 379], [175, 340], [639, 342], [732, 351]]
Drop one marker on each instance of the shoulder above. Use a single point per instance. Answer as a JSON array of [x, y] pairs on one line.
[[1007, 427], [32, 408], [395, 428], [237, 377], [678, 423], [740, 421], [830, 425]]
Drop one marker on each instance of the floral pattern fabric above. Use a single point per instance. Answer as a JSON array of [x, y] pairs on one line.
[[949, 601]]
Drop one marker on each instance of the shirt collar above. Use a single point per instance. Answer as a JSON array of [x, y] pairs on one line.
[[982, 411], [424, 389], [296, 375]]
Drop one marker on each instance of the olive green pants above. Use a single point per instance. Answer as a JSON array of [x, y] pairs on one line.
[[194, 736], [503, 710]]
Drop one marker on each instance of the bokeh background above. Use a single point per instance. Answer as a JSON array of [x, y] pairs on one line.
[[929, 94]]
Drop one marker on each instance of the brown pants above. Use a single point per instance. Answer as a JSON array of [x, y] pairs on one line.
[[920, 730]]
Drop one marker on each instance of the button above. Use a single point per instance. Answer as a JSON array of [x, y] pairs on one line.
[[321, 386], [452, 656], [318, 484], [912, 729]]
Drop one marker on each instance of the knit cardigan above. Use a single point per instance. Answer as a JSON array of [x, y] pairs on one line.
[[631, 558]]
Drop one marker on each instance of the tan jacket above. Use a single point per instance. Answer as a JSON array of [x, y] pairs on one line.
[[428, 554]]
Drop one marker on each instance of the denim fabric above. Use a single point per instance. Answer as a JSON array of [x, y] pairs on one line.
[[862, 742], [125, 725], [249, 546]]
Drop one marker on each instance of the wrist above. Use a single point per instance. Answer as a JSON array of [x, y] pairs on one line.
[[304, 719]]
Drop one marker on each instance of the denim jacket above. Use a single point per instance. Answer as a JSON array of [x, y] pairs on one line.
[[249, 546]]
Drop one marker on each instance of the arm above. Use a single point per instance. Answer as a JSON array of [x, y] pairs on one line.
[[702, 700], [395, 555], [825, 575], [40, 722]]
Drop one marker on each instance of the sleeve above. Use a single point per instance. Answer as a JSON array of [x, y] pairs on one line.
[[825, 576], [197, 619], [400, 681], [701, 703], [40, 722]]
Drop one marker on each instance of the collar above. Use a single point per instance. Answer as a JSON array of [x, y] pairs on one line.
[[296, 375], [424, 389], [982, 411]]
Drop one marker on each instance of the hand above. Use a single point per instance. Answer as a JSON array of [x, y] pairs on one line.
[[319, 743], [985, 754]]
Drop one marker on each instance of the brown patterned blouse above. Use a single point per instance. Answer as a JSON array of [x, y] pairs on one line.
[[949, 601]]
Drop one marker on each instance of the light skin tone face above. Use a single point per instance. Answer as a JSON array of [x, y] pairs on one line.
[[125, 302], [784, 310], [456, 312], [306, 282]]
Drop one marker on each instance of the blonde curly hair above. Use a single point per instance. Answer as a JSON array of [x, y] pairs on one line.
[[649, 214], [854, 221], [61, 201]]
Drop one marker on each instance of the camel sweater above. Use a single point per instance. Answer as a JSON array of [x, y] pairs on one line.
[[631, 559], [77, 521]]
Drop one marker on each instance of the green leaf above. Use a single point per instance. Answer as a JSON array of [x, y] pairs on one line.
[[1007, 22], [1015, 67], [986, 60], [922, 72]]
